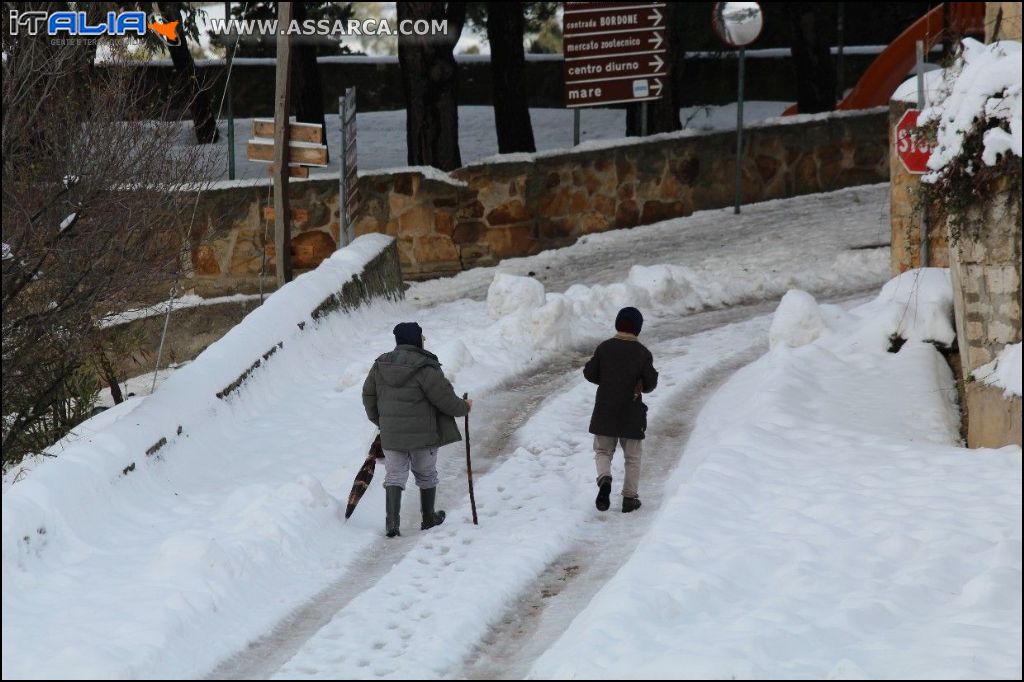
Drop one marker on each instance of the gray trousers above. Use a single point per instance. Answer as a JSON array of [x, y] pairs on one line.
[[423, 462], [604, 448]]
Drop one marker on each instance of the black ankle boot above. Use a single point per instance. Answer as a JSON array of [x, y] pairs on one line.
[[630, 504], [431, 518], [604, 491], [393, 507]]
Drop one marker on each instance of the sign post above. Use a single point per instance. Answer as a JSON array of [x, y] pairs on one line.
[[919, 67], [738, 24], [348, 196], [613, 53]]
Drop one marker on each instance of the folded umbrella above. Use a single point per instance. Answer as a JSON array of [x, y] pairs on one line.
[[364, 476]]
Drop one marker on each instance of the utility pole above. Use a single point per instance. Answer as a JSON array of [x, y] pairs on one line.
[[229, 54], [282, 102]]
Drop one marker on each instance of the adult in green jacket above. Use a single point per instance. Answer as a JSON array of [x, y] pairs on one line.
[[407, 396]]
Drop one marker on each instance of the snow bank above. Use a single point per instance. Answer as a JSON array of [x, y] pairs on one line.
[[1004, 371], [60, 513], [581, 315], [824, 524], [985, 85], [509, 293], [797, 320], [917, 306], [191, 392]]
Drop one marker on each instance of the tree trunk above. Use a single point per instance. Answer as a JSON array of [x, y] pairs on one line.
[[307, 87], [430, 82], [663, 114], [199, 98], [106, 370], [505, 26], [815, 74]]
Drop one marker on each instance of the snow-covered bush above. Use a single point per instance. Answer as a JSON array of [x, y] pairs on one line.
[[977, 130]]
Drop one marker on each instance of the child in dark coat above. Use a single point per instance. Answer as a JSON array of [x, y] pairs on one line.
[[622, 368]]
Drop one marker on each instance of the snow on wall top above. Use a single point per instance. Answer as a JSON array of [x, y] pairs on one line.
[[598, 145], [984, 84], [428, 172]]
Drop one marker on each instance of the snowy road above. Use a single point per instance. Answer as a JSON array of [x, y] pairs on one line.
[[321, 640], [246, 570]]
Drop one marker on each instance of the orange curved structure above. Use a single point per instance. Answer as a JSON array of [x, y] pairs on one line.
[[891, 67]]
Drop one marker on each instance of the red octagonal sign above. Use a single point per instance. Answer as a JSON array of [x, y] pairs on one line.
[[911, 145]]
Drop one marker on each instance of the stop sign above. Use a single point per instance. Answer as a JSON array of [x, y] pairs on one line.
[[911, 145]]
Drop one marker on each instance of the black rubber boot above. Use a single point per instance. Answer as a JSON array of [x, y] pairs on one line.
[[393, 506], [431, 518], [630, 504], [604, 491]]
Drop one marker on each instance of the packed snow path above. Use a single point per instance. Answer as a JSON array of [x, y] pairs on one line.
[[694, 354], [236, 526]]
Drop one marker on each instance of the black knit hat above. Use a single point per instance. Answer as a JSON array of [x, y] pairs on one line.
[[408, 334], [629, 320]]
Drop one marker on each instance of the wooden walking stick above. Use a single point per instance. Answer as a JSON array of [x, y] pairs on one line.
[[469, 468]]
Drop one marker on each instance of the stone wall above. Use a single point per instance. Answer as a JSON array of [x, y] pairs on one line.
[[986, 273], [905, 211], [482, 213], [1002, 21], [233, 234], [521, 204]]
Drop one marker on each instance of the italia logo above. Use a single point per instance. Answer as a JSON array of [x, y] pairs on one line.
[[78, 24]]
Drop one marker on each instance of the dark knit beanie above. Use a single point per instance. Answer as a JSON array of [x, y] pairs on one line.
[[629, 320], [408, 334]]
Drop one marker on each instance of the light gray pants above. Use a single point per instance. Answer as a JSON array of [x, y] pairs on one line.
[[423, 462], [604, 448]]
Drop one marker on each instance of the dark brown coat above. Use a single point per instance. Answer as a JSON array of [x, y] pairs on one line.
[[620, 366]]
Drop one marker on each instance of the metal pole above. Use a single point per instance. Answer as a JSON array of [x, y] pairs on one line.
[[227, 95], [739, 135], [919, 67], [282, 99], [343, 232], [839, 57], [643, 118], [575, 127]]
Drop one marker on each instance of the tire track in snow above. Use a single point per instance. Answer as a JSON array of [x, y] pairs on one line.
[[543, 613]]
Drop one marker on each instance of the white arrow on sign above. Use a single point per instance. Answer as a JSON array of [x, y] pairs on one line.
[[657, 63], [656, 15], [656, 87], [657, 40]]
